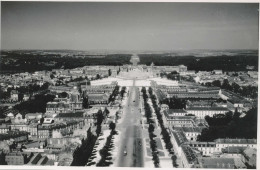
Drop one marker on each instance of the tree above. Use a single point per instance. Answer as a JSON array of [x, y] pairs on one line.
[[176, 103], [226, 85], [97, 76], [236, 115], [63, 95], [228, 126], [208, 84], [216, 83], [112, 126], [151, 128], [2, 159], [100, 117], [41, 120], [20, 96], [109, 72], [52, 76], [106, 111], [235, 87], [85, 103]]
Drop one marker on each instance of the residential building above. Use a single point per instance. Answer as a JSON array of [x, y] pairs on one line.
[[58, 107], [14, 95], [249, 157], [223, 143], [39, 159], [14, 158], [176, 112], [191, 133], [178, 121], [219, 163], [4, 129], [188, 157], [205, 148], [201, 112], [98, 98]]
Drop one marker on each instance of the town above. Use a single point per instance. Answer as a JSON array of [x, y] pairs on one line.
[[129, 115]]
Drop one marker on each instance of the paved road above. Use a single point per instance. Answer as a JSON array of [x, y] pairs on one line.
[[131, 132]]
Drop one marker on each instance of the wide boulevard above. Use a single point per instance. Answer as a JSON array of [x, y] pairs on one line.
[[131, 150]]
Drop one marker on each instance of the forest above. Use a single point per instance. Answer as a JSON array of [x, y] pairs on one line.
[[224, 62], [12, 62]]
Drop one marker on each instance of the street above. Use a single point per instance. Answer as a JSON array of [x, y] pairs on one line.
[[131, 132]]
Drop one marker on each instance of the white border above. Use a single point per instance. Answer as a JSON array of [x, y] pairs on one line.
[[185, 1]]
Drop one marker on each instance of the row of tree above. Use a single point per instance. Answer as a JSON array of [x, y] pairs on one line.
[[148, 114], [165, 133], [122, 92], [115, 92], [83, 153], [105, 152]]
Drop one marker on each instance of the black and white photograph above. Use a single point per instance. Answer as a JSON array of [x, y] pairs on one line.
[[92, 84]]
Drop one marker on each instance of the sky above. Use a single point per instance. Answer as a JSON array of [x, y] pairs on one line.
[[128, 26]]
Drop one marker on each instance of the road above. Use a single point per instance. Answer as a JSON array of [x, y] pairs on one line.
[[131, 132]]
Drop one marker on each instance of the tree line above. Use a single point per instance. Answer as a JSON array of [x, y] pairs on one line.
[[148, 114], [23, 62], [83, 153], [226, 63], [165, 133]]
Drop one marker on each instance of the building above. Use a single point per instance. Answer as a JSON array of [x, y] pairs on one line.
[[249, 157], [32, 116], [26, 96], [164, 107], [182, 68], [219, 163], [17, 136], [39, 159], [178, 121], [176, 112], [205, 148], [178, 138], [217, 71], [14, 158], [33, 131], [188, 157], [20, 126], [191, 133], [201, 112], [58, 107], [4, 129], [234, 151], [223, 143], [44, 132], [194, 95], [14, 95], [98, 98]]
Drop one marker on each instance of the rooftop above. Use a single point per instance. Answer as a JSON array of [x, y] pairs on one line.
[[220, 163], [236, 141], [189, 153], [208, 108]]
